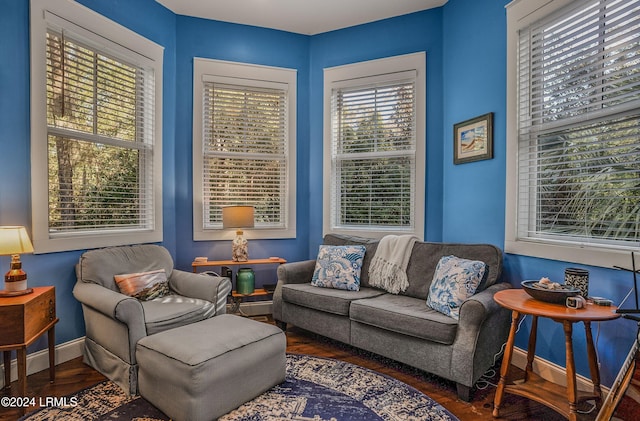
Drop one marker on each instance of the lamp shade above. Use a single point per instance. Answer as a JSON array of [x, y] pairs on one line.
[[14, 240], [237, 217]]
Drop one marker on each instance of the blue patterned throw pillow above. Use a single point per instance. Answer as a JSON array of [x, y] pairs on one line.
[[338, 267], [454, 281]]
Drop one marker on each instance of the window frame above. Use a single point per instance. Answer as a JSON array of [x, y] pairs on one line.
[[116, 40], [351, 75], [521, 14], [228, 72]]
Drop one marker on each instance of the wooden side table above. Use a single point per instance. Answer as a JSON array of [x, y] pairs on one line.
[[24, 319], [236, 298], [561, 399]]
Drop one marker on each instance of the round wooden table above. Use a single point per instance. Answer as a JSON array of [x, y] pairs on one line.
[[561, 399]]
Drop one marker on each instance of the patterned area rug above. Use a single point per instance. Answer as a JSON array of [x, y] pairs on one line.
[[315, 389]]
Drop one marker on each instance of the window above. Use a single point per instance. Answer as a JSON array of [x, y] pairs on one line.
[[96, 129], [244, 147], [574, 184], [374, 159]]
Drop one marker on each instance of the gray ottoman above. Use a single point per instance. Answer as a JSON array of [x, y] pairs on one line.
[[203, 370]]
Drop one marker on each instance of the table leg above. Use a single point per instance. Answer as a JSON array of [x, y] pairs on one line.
[[593, 363], [572, 391], [506, 362], [7, 369], [21, 354], [51, 337], [235, 305], [531, 349]]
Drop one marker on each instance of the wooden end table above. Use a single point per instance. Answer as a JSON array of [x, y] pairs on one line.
[[236, 297], [24, 319], [561, 399]]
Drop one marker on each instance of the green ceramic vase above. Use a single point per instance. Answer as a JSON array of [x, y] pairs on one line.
[[245, 281]]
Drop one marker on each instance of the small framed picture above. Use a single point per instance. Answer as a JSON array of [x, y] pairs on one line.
[[473, 139]]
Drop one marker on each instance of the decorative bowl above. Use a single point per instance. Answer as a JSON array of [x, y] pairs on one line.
[[556, 296]]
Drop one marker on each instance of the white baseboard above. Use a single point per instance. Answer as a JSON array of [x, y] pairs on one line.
[[39, 360], [551, 371]]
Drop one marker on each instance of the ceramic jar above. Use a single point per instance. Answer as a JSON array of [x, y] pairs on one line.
[[245, 281], [578, 278]]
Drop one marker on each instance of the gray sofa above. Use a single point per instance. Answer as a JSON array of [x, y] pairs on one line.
[[402, 327], [115, 322]]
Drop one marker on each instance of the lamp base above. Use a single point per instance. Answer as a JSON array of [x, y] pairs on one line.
[[239, 248], [20, 285], [6, 293]]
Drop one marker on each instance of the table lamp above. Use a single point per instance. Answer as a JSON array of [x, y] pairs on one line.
[[13, 241], [238, 217]]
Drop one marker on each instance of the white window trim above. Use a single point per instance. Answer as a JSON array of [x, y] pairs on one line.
[[208, 70], [396, 64], [121, 40], [520, 14]]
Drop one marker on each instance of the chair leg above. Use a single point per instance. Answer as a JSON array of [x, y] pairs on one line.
[[464, 392]]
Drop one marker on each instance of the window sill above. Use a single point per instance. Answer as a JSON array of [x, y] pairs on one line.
[[252, 234], [586, 255]]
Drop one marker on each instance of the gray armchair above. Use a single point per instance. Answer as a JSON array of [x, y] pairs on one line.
[[115, 322]]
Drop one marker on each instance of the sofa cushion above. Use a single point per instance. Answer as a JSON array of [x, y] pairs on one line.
[[334, 301], [173, 311], [338, 267], [406, 315], [455, 280]]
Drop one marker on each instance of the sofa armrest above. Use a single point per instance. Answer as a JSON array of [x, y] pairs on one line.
[[291, 273], [482, 329], [476, 308], [105, 309], [112, 304], [203, 286], [296, 272]]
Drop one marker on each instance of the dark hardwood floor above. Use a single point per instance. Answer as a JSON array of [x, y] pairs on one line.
[[73, 376]]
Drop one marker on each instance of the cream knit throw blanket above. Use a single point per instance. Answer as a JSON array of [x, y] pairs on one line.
[[388, 268]]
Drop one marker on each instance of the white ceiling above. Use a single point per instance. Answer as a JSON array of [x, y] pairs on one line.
[[300, 16]]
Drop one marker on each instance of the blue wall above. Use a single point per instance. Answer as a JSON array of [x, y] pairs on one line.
[[465, 43], [474, 41]]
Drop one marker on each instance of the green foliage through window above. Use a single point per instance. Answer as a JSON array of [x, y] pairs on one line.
[[579, 126], [374, 155], [97, 154]]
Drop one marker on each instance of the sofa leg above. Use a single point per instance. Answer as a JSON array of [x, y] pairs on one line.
[[281, 325], [464, 392]]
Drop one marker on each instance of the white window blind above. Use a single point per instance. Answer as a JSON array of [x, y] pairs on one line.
[[100, 130], [578, 104], [373, 147], [245, 152]]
